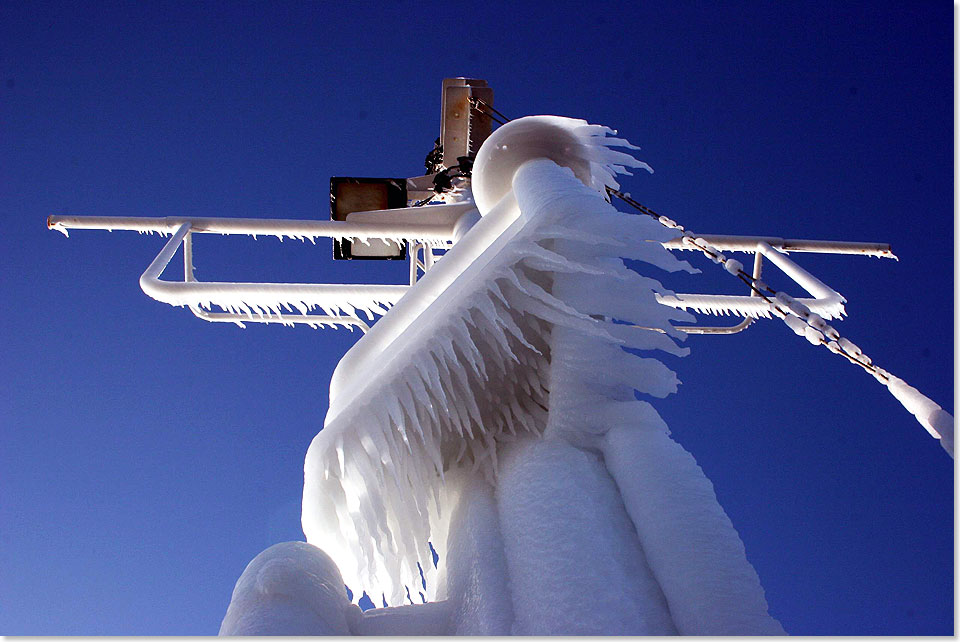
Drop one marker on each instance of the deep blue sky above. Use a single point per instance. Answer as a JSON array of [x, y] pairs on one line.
[[148, 456]]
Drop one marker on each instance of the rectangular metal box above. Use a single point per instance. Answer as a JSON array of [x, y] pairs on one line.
[[351, 194]]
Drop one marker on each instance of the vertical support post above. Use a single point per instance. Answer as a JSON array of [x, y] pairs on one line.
[[413, 249], [428, 257], [188, 258]]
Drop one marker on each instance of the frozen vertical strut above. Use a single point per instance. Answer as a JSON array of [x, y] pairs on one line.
[[678, 530]]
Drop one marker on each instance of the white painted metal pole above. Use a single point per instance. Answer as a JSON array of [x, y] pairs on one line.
[[429, 225], [732, 243]]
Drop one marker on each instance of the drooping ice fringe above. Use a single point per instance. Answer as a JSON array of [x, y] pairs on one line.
[[472, 373]]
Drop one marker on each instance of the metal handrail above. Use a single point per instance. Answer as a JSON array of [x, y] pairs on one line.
[[826, 301], [182, 293], [428, 225], [232, 317], [734, 243], [743, 325]]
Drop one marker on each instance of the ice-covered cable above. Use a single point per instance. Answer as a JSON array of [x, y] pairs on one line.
[[816, 331]]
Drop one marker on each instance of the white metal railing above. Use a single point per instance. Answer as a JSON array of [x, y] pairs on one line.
[[431, 226], [425, 228], [826, 301], [740, 327], [733, 243], [261, 299], [237, 318]]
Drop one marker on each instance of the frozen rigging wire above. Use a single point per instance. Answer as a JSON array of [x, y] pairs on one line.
[[814, 329], [489, 111], [781, 304]]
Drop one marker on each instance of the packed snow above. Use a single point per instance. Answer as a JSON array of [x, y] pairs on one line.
[[291, 587]]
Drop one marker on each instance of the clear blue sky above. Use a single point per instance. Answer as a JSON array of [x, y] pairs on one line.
[[148, 456]]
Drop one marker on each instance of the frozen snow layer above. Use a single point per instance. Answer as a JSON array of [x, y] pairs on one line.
[[576, 565], [690, 544], [292, 588], [463, 365]]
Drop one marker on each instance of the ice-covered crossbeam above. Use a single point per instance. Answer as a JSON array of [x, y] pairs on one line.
[[736, 243], [432, 223], [264, 299], [826, 301], [286, 303]]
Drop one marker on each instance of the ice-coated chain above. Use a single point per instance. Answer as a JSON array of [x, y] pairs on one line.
[[793, 313], [814, 329]]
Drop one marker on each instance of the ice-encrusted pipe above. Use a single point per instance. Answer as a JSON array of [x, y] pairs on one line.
[[568, 142], [585, 370]]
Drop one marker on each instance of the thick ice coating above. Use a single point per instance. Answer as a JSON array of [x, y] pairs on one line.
[[474, 418], [291, 588], [568, 142]]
